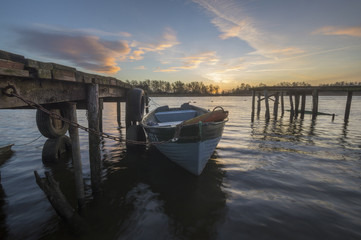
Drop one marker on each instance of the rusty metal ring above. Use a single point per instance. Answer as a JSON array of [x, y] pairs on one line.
[[8, 93]]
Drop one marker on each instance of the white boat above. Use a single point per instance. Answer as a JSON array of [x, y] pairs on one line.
[[187, 135]]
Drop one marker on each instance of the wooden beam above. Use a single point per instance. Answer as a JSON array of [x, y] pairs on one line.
[[94, 141], [253, 103], [291, 105], [119, 113], [267, 114], [282, 105], [303, 105], [275, 106], [348, 106], [314, 104], [259, 104]]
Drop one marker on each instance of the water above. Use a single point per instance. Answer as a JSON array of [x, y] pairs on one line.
[[277, 180]]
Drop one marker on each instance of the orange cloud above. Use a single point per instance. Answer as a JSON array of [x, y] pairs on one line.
[[333, 30], [168, 40]]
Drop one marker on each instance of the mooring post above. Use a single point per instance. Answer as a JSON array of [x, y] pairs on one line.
[[303, 104], [297, 103], [94, 141], [267, 115], [253, 103], [282, 105], [291, 105], [74, 136], [118, 113], [259, 104], [101, 107], [275, 106], [314, 104], [348, 106]]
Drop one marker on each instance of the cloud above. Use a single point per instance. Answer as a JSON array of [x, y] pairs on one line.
[[86, 51], [168, 40], [193, 62], [231, 19], [333, 30], [140, 68]]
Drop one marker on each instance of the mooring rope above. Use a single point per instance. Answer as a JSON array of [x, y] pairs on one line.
[[10, 91]]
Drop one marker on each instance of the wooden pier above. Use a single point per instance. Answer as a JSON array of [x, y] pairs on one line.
[[295, 94], [54, 88]]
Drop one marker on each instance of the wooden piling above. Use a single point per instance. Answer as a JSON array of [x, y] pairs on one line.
[[267, 114], [94, 148], [291, 105], [275, 107], [259, 104], [101, 107], [74, 136], [297, 103], [118, 113], [314, 104], [282, 105], [348, 106], [253, 103], [303, 105]]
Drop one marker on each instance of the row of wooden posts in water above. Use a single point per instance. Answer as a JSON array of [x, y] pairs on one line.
[[296, 97]]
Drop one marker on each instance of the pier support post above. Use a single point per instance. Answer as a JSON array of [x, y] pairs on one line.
[[101, 107], [291, 105], [282, 105], [275, 107], [118, 113], [348, 106], [297, 103], [253, 103], [267, 115], [74, 136], [259, 104], [314, 104], [94, 141], [303, 105]]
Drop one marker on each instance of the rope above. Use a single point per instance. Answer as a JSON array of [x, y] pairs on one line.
[[28, 142], [10, 91]]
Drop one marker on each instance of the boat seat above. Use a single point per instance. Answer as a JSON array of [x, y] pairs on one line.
[[173, 116]]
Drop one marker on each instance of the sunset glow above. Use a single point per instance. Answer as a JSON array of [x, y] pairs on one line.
[[223, 42]]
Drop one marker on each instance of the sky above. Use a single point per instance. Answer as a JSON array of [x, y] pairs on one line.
[[220, 42]]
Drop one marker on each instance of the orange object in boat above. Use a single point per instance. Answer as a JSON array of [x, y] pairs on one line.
[[215, 116]]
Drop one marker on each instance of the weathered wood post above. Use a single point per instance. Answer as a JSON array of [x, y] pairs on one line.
[[282, 105], [74, 136], [253, 103], [297, 103], [118, 113], [303, 104], [101, 107], [94, 141], [291, 105], [267, 115], [314, 104], [275, 106], [348, 106], [259, 104]]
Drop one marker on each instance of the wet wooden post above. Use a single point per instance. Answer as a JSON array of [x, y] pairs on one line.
[[314, 104], [94, 141], [303, 104], [101, 107], [118, 113], [297, 103], [282, 105], [275, 107], [267, 115], [259, 104], [74, 136], [253, 103], [291, 105], [348, 106]]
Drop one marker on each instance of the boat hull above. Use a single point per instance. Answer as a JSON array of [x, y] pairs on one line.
[[194, 146]]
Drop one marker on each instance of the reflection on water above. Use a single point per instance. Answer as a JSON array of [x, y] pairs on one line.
[[281, 179]]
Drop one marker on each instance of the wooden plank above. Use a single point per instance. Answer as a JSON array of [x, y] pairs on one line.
[[11, 64], [63, 75], [12, 57], [14, 72]]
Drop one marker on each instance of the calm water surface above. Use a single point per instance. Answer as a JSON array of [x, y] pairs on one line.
[[278, 180]]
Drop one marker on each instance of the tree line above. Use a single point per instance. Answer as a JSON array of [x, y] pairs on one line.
[[199, 88], [178, 87]]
